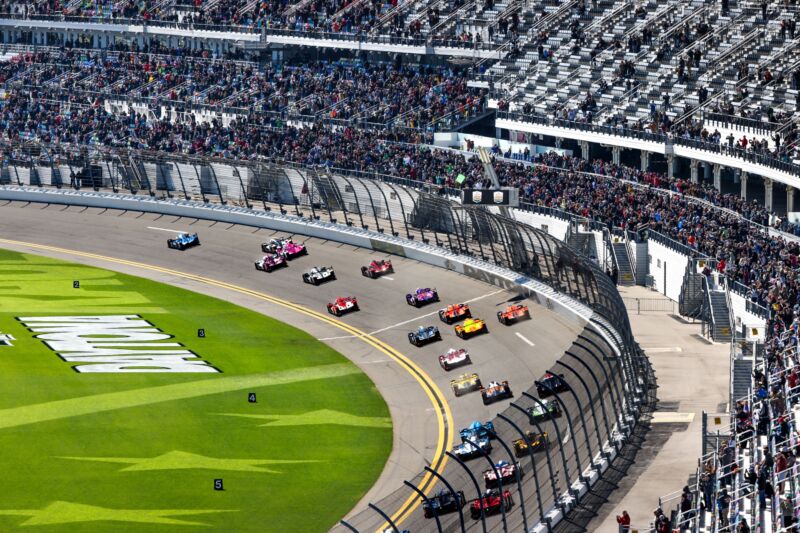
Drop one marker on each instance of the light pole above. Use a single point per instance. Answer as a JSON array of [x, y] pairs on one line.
[[543, 407], [428, 502], [385, 517], [518, 471], [457, 459], [499, 479], [455, 494]]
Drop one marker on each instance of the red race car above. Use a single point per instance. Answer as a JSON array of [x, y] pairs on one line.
[[377, 268], [491, 502], [343, 305], [454, 313], [513, 313]]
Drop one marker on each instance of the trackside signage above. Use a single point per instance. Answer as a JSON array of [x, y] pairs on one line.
[[114, 344]]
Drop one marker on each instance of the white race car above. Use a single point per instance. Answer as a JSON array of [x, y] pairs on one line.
[[507, 471], [454, 358], [318, 275]]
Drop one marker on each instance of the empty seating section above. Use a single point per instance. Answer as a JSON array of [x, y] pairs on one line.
[[666, 67]]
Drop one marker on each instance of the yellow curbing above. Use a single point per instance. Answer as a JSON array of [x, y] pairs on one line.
[[444, 416]]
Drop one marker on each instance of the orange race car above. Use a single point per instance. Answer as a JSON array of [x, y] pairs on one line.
[[454, 313], [513, 313], [471, 327]]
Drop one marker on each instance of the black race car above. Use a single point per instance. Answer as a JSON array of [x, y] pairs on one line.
[[444, 502], [551, 383]]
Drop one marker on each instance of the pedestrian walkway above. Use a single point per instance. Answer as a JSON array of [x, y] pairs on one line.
[[693, 376]]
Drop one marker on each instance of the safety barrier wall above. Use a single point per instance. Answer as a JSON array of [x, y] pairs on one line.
[[667, 267], [583, 302]]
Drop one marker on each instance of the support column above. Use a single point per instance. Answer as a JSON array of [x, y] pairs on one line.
[[693, 169], [718, 176], [616, 151], [670, 166], [744, 185], [645, 160], [789, 199], [585, 149], [559, 140], [768, 194]]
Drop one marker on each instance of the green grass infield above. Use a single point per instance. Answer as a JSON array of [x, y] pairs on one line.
[[116, 416]]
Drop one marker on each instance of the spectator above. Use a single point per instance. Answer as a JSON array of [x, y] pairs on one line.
[[624, 521]]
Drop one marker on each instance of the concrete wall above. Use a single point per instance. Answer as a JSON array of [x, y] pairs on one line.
[[751, 325], [667, 267]]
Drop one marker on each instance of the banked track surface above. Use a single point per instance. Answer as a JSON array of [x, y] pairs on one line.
[[227, 254]]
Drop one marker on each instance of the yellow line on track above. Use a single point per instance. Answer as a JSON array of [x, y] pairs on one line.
[[444, 416]]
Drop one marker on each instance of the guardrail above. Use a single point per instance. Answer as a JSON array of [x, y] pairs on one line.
[[763, 164], [400, 219]]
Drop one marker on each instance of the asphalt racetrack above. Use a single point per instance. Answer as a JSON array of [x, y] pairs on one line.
[[520, 353]]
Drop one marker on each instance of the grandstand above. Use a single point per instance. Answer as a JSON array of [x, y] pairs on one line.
[[624, 124]]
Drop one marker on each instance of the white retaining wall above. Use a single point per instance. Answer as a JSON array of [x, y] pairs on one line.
[[667, 267]]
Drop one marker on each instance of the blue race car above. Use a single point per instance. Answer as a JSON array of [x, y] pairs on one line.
[[465, 450], [420, 297], [184, 241], [424, 335], [476, 430]]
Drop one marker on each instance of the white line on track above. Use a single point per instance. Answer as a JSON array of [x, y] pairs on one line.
[[433, 313], [386, 277], [164, 229], [664, 350], [524, 338], [566, 438]]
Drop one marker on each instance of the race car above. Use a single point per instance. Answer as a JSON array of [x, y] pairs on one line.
[[550, 383], [454, 313], [507, 471], [491, 502], [318, 275], [377, 268], [539, 441], [444, 502], [183, 241], [420, 297], [513, 313], [496, 392], [476, 430], [467, 450], [424, 335], [551, 410], [270, 262], [284, 246], [343, 305], [454, 358], [465, 383], [471, 327]]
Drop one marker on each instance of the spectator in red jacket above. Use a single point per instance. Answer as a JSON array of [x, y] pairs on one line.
[[624, 521]]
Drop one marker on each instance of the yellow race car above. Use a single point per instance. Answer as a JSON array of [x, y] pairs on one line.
[[539, 441], [465, 383], [471, 327]]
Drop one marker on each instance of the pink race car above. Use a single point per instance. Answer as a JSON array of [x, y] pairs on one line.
[[454, 358], [270, 262], [507, 471], [285, 247]]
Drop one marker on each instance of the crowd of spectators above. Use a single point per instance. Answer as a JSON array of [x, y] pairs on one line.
[[359, 17], [81, 83]]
